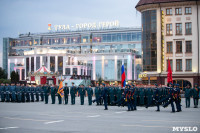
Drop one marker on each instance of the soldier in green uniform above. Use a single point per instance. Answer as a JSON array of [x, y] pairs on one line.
[[73, 94], [141, 95], [18, 93], [59, 97], [111, 88], [119, 92], [27, 91], [149, 94], [37, 90], [46, 89], [90, 94], [195, 94], [66, 93], [23, 93], [97, 93], [42, 92], [2, 92], [187, 95], [53, 94], [81, 91]]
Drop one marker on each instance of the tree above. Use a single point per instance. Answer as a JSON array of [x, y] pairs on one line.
[[3, 74], [14, 77], [100, 80]]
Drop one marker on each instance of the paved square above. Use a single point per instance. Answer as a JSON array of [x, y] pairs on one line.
[[45, 118]]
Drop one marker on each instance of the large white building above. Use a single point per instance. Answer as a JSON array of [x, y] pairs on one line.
[[91, 53], [170, 30]]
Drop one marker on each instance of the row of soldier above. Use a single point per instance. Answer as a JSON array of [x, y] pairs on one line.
[[147, 96]]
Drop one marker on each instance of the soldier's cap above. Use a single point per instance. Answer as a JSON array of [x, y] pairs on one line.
[[155, 84], [66, 83]]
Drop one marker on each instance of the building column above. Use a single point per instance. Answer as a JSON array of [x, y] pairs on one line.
[[29, 64], [64, 64], [48, 62], [115, 68], [34, 63], [8, 68], [20, 74], [56, 63], [129, 67], [102, 65], [41, 61], [135, 74], [25, 68], [71, 70]]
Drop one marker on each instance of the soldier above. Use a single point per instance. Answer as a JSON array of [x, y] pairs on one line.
[[7, 89], [32, 91], [23, 93], [111, 94], [90, 94], [149, 94], [195, 94], [2, 92], [119, 92], [46, 89], [177, 98], [141, 95], [42, 92], [97, 92], [27, 91], [66, 93], [73, 93], [13, 92], [18, 93], [133, 97], [59, 97], [81, 92], [53, 94], [187, 95], [37, 91]]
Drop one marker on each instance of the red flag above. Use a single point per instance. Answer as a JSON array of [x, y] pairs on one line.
[[169, 74]]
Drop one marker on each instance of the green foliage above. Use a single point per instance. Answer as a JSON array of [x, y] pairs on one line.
[[5, 81], [3, 74], [14, 77]]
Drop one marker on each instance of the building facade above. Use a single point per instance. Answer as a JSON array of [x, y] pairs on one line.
[[94, 53], [170, 30]]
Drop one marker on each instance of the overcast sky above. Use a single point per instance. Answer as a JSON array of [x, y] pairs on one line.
[[23, 16]]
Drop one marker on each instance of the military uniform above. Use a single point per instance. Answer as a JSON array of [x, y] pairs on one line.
[[149, 94], [46, 93], [195, 94], [81, 94], [187, 96], [141, 95], [90, 94], [23, 93], [27, 91], [97, 93], [42, 93], [53, 94], [18, 93], [37, 91], [59, 97], [73, 94], [7, 90], [32, 91], [177, 98], [66, 93], [2, 93]]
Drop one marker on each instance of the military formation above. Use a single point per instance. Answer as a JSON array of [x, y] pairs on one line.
[[105, 94]]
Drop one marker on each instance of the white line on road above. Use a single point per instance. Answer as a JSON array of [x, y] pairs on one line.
[[8, 128], [50, 122], [120, 112], [93, 116], [144, 126], [173, 121]]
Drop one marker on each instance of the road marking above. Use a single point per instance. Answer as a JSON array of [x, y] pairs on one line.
[[172, 121], [50, 122], [9, 128], [120, 112], [140, 109], [93, 116], [144, 126], [23, 119]]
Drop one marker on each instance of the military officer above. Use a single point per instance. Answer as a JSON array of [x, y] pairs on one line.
[[81, 91], [195, 94], [141, 95], [32, 91], [111, 94], [23, 93], [27, 90], [119, 92], [46, 89], [18, 93], [59, 97], [90, 94], [2, 92], [53, 93], [13, 92], [73, 93], [66, 93], [42, 92], [97, 93], [7, 90], [177, 98], [149, 94], [37, 91], [187, 95]]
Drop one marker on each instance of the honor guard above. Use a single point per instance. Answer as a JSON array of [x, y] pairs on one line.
[[90, 94], [66, 93]]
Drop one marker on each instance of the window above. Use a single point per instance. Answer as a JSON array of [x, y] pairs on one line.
[[169, 29], [179, 65], [188, 46], [188, 28], [188, 10], [171, 64], [178, 28], [169, 11], [188, 64], [179, 47], [169, 47], [178, 11]]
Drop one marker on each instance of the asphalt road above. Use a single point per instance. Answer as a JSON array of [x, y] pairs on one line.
[[47, 118]]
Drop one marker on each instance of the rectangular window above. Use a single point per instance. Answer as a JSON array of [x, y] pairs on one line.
[[188, 10], [188, 46], [179, 29], [169, 47], [169, 29], [188, 64], [178, 11], [171, 64], [178, 46], [169, 11], [188, 28], [179, 65]]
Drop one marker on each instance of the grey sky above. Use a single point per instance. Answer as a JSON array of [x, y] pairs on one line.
[[22, 16]]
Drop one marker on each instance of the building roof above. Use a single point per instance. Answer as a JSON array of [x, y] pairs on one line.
[[43, 69], [146, 2]]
